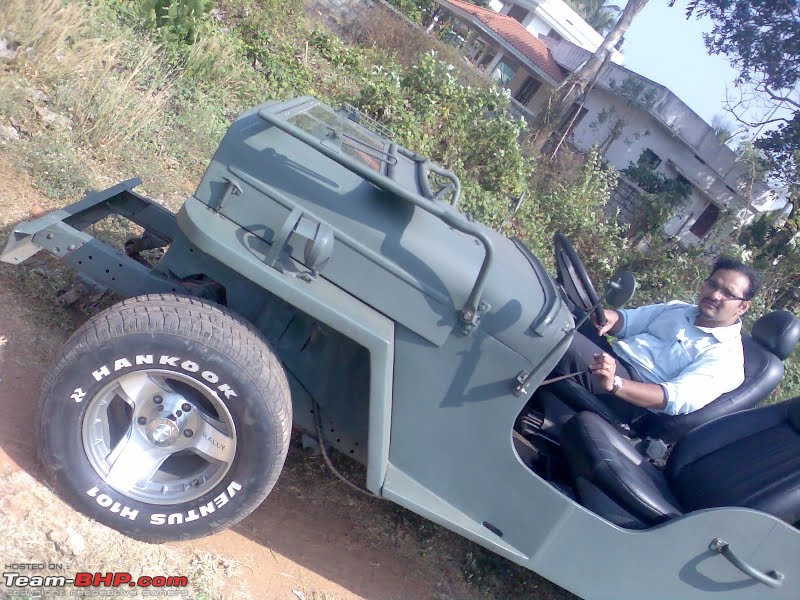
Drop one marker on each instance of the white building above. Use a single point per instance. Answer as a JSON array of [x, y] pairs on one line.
[[669, 134], [555, 19], [626, 115]]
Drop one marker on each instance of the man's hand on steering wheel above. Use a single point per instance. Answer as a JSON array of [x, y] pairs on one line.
[[612, 318], [604, 368]]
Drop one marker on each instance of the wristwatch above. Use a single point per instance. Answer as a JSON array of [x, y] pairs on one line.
[[617, 384]]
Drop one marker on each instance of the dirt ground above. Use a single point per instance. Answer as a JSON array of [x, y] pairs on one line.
[[311, 539]]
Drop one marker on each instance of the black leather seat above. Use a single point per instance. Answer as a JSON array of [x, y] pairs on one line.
[[749, 459], [773, 338]]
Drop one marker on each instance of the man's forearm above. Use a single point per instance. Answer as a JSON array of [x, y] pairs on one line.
[[646, 395]]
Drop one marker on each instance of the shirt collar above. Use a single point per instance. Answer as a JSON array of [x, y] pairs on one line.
[[723, 334]]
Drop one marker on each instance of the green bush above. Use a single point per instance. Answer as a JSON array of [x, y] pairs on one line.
[[570, 196], [666, 271], [334, 50], [179, 21], [173, 21], [462, 127], [410, 8]]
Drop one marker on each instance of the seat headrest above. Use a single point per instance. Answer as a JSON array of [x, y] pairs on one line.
[[778, 331]]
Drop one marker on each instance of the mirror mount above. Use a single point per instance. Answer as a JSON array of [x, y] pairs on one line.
[[620, 289]]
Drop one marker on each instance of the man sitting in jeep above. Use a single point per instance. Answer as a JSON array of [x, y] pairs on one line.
[[674, 357]]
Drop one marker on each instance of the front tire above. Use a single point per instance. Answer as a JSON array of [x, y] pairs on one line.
[[165, 417]]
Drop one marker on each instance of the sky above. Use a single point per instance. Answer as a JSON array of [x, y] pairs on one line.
[[663, 46]]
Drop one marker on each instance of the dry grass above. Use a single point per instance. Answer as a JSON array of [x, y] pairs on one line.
[[52, 40], [109, 96], [108, 104], [112, 106], [378, 27]]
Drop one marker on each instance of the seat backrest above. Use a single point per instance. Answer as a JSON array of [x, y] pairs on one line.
[[774, 337], [749, 459]]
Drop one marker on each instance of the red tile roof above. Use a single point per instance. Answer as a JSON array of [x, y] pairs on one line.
[[515, 35]]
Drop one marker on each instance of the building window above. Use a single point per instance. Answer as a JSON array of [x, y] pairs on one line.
[[518, 13], [527, 90], [554, 35], [503, 74], [649, 159], [705, 221]]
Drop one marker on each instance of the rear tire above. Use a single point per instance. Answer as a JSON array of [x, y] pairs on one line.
[[165, 417]]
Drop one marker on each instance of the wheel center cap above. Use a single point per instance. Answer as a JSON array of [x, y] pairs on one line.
[[162, 432]]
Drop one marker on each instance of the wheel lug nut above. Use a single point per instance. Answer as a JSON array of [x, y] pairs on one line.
[[158, 399], [141, 420], [160, 407], [178, 413], [186, 407], [188, 432]]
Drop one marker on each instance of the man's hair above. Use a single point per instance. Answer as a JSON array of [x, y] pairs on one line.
[[726, 263]]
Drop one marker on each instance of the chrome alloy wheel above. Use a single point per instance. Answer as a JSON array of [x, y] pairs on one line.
[[159, 437]]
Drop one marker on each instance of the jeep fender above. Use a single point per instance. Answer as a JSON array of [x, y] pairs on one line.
[[245, 253]]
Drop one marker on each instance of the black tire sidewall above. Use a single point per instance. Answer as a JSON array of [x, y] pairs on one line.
[[259, 439]]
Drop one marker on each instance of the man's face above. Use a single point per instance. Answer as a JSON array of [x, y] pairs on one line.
[[720, 300]]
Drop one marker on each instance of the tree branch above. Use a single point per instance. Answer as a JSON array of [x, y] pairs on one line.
[[779, 97], [743, 103]]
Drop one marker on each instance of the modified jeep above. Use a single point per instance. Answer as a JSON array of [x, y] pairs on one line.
[[322, 277]]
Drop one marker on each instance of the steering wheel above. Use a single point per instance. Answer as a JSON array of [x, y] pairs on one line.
[[573, 278]]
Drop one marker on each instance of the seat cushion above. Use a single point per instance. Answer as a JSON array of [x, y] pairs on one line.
[[602, 459], [580, 399], [749, 459]]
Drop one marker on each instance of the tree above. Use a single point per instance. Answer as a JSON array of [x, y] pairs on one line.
[[575, 88], [753, 164], [761, 38], [605, 18], [722, 128], [597, 13]]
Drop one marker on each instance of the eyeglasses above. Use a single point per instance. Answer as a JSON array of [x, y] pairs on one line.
[[726, 293]]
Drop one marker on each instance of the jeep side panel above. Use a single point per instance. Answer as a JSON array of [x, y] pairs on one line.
[[452, 459]]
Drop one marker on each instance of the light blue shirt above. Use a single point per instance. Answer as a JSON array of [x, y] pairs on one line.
[[694, 365]]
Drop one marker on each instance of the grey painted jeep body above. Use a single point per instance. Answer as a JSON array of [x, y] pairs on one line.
[[409, 328]]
